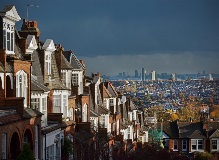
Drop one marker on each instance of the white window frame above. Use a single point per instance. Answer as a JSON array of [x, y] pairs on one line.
[[175, 145], [48, 63], [57, 103], [184, 144], [4, 145], [35, 103], [102, 120], [8, 37], [195, 142], [84, 113], [216, 144], [75, 79], [21, 85]]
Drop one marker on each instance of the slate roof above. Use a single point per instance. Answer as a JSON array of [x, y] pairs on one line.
[[36, 66], [8, 116], [214, 133], [65, 64], [75, 63], [111, 89], [103, 110], [29, 113], [56, 84], [197, 134], [93, 113], [50, 128], [37, 86], [188, 129], [170, 128]]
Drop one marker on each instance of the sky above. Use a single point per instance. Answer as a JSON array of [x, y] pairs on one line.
[[114, 36]]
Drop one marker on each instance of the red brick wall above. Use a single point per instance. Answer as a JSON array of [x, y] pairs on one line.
[[20, 127], [25, 66], [85, 99]]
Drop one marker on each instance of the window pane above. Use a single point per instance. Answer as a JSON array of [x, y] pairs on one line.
[[5, 39], [12, 41], [8, 41], [200, 144], [214, 144]]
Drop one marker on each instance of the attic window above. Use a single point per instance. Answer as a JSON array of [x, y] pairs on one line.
[[8, 37], [48, 64]]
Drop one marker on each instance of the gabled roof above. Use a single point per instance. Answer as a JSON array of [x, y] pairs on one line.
[[188, 129], [36, 66], [75, 63], [170, 129], [37, 86], [65, 64], [11, 13], [103, 110], [111, 89], [31, 44], [93, 113], [197, 134], [49, 45], [214, 134]]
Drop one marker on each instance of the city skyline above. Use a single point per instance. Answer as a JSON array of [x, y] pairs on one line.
[[165, 36]]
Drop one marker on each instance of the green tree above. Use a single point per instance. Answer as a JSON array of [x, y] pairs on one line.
[[26, 153]]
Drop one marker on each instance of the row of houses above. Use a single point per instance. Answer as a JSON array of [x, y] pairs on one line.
[[46, 97]]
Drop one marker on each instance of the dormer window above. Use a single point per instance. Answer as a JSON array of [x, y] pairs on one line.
[[8, 37], [48, 64], [9, 17]]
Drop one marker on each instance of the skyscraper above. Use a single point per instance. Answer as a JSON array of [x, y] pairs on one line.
[[142, 74], [136, 73], [153, 75]]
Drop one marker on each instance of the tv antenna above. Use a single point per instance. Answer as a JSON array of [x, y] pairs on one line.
[[30, 5]]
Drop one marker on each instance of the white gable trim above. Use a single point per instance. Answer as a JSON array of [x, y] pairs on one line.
[[31, 44], [11, 14], [49, 45]]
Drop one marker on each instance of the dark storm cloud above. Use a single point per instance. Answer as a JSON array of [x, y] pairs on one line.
[[97, 27], [156, 29]]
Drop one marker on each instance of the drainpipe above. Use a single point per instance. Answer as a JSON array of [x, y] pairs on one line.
[[45, 146]]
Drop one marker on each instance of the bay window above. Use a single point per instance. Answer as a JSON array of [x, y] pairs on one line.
[[215, 144], [197, 144]]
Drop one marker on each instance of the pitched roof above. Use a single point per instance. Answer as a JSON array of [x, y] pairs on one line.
[[10, 12], [75, 63], [37, 86], [188, 129], [214, 133], [29, 113], [65, 64], [36, 66], [8, 116], [111, 89], [197, 134], [103, 110]]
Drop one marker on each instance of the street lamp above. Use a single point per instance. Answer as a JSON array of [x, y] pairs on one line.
[[30, 5]]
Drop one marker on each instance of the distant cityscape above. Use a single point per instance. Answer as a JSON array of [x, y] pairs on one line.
[[143, 75]]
